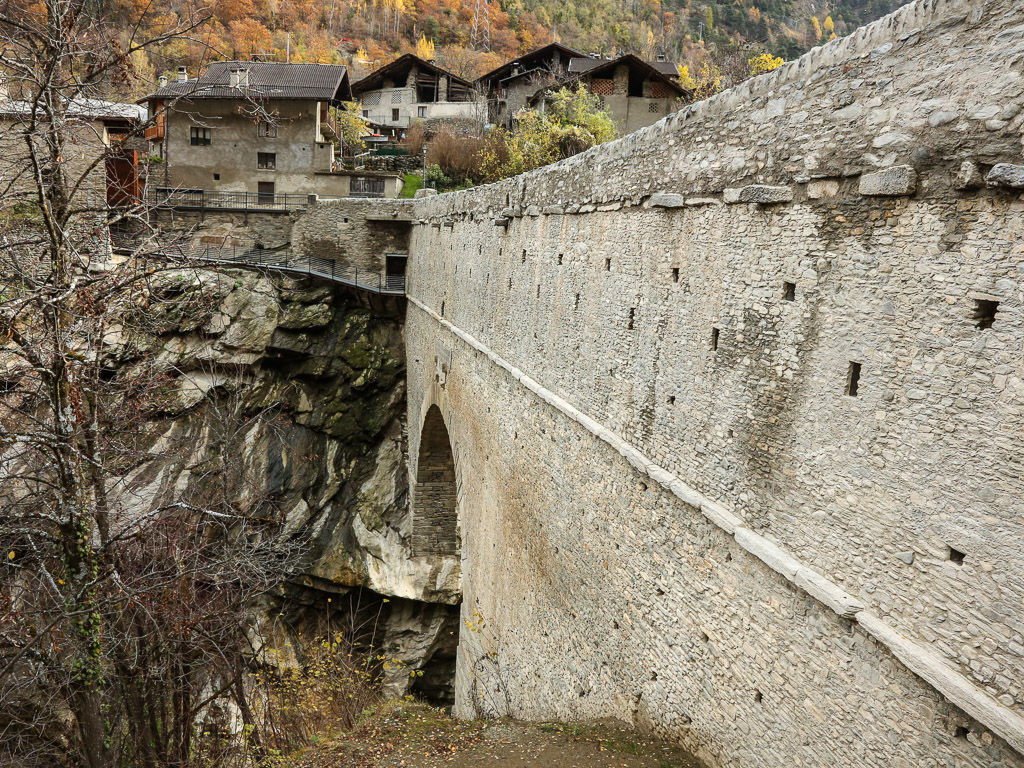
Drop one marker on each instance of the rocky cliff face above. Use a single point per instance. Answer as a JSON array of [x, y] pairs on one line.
[[293, 393]]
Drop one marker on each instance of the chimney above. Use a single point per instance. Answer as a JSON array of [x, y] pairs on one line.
[[182, 74], [239, 78], [661, 57], [162, 80]]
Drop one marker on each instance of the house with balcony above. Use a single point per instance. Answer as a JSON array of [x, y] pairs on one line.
[[255, 130], [637, 93], [411, 90]]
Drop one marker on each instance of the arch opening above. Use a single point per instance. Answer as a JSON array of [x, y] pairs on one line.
[[435, 519]]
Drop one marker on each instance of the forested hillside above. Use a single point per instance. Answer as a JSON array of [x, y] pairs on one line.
[[472, 36]]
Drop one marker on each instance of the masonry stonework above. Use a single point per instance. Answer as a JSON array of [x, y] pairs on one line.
[[735, 420], [355, 232]]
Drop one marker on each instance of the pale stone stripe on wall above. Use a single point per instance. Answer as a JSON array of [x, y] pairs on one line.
[[920, 660]]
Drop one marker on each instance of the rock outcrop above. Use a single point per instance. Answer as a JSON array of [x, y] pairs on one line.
[[293, 392]]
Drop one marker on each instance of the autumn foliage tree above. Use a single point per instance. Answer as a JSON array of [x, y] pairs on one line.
[[573, 121], [123, 618]]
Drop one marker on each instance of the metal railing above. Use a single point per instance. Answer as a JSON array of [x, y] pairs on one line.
[[282, 260], [203, 199]]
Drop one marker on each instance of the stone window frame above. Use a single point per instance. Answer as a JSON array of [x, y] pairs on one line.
[[266, 161]]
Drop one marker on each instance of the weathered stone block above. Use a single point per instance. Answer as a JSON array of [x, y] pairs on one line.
[[764, 194], [822, 188], [824, 590], [892, 182], [667, 200], [772, 556], [1006, 175], [969, 176], [425, 192]]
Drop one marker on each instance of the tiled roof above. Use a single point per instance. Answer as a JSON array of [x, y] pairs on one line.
[[607, 67], [585, 64], [582, 64], [529, 61], [399, 66], [667, 68], [266, 80]]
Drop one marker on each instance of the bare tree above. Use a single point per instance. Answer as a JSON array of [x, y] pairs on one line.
[[124, 618]]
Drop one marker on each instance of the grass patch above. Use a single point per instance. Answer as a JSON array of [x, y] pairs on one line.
[[412, 182]]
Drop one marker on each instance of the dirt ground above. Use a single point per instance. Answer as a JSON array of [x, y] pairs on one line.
[[413, 735]]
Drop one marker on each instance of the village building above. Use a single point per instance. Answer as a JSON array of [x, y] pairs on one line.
[[99, 146], [257, 130], [510, 87], [412, 90], [637, 93]]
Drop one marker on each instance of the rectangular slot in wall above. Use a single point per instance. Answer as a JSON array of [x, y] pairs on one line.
[[632, 317], [675, 274], [956, 556], [985, 313], [607, 265], [853, 379], [714, 339], [788, 291]]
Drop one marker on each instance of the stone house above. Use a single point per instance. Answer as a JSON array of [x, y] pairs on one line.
[[509, 87], [411, 90], [637, 93], [259, 128], [97, 130]]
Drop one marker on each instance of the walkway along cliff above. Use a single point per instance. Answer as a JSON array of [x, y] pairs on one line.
[[718, 425]]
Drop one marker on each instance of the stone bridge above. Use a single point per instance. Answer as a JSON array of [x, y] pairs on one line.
[[721, 422], [723, 419]]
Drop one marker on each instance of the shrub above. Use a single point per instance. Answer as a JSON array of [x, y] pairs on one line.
[[437, 179], [415, 138], [457, 155], [298, 707], [574, 121]]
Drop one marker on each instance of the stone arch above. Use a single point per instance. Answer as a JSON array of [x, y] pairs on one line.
[[435, 517]]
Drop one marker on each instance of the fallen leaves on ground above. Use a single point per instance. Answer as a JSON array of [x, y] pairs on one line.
[[407, 734]]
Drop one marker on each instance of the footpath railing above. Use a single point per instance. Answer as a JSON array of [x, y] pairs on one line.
[[282, 260], [202, 199]]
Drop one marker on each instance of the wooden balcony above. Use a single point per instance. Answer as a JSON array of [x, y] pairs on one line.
[[328, 124], [155, 132]]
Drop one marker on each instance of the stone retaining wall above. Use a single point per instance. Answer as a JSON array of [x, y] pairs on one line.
[[355, 232]]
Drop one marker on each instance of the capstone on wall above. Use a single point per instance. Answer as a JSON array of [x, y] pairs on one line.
[[736, 431]]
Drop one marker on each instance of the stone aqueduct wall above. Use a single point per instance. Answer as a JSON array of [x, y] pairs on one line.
[[724, 544]]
